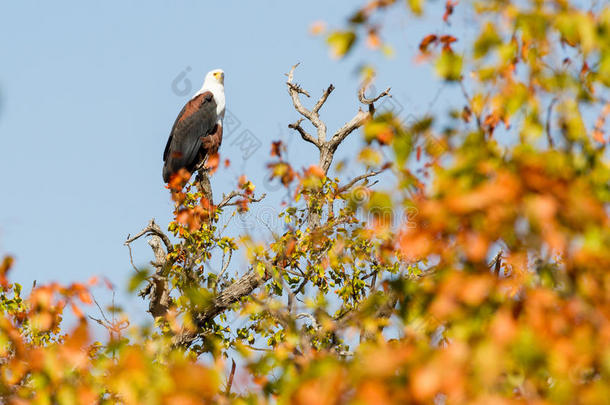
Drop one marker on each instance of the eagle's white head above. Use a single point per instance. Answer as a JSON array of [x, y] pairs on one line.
[[215, 82]]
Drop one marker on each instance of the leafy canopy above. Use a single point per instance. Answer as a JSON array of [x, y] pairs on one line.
[[479, 277]]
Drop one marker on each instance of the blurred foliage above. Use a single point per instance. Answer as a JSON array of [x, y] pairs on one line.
[[479, 278]]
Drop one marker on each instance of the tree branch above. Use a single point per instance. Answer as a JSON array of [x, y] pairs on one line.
[[157, 288], [549, 111], [356, 179], [371, 101], [153, 229], [323, 99], [294, 90], [360, 118], [227, 199], [230, 295], [304, 134]]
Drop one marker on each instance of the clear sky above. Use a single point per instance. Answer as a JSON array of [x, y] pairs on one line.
[[89, 91]]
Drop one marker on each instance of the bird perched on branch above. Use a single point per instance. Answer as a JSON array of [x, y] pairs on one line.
[[197, 132]]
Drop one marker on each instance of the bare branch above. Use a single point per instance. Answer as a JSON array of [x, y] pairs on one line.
[[360, 118], [131, 258], [323, 99], [225, 266], [294, 90], [359, 178], [370, 101], [157, 287], [549, 111], [349, 127], [328, 148], [227, 200], [304, 134], [153, 229]]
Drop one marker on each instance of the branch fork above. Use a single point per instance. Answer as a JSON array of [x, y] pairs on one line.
[[326, 147]]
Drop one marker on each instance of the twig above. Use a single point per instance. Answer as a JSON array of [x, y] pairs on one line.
[[131, 257], [231, 375], [359, 178], [549, 111], [227, 200], [370, 101], [323, 99], [225, 266], [467, 97]]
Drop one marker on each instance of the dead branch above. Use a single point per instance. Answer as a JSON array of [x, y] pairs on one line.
[[370, 101], [323, 99], [227, 199], [153, 229], [359, 120], [304, 134], [157, 288], [327, 148], [312, 115], [356, 179]]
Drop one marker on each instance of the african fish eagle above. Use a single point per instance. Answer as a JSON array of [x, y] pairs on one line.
[[197, 132]]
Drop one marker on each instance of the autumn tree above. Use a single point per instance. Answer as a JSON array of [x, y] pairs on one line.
[[480, 278]]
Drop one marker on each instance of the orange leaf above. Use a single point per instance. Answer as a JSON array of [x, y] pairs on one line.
[[428, 39], [373, 41], [315, 171], [425, 383], [317, 28], [276, 149], [77, 312], [449, 5], [6, 265]]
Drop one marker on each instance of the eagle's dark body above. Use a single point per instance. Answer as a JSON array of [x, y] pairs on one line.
[[196, 134]]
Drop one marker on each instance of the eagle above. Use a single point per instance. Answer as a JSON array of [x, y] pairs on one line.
[[197, 132]]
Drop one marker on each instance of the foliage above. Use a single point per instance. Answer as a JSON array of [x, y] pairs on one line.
[[480, 277]]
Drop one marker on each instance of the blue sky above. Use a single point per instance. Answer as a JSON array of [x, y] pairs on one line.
[[89, 91]]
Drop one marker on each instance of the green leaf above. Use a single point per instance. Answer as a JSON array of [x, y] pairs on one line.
[[137, 279], [341, 42], [449, 66], [488, 39]]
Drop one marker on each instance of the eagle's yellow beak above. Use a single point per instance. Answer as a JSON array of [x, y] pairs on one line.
[[220, 76]]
